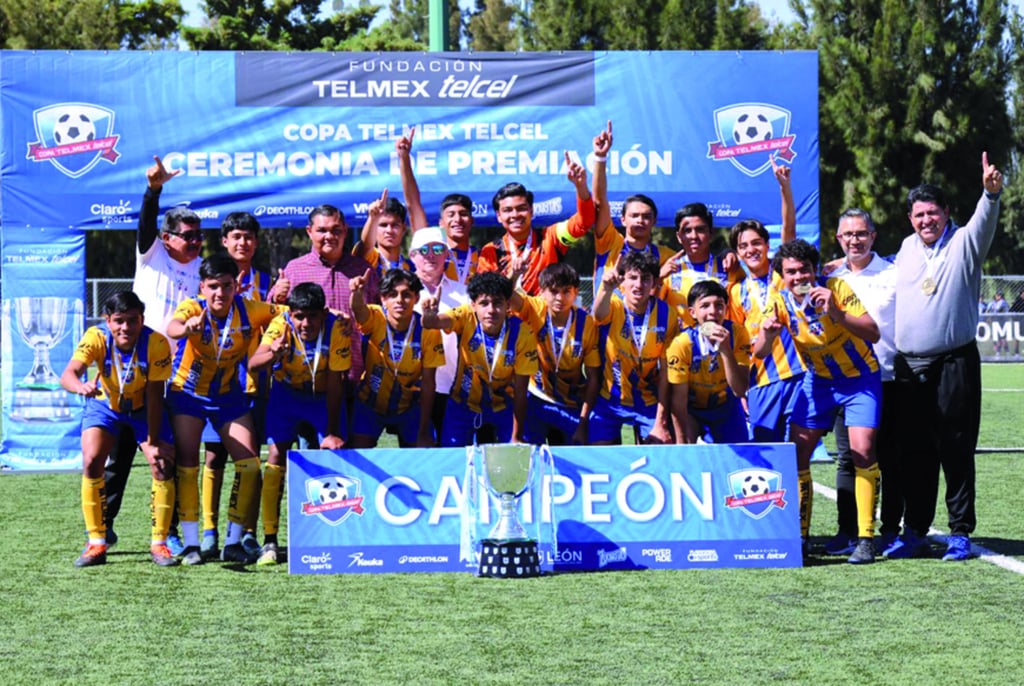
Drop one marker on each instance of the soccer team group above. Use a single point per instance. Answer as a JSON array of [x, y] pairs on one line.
[[451, 344]]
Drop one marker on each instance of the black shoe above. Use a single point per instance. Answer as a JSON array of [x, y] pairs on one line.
[[236, 553], [191, 556], [864, 553]]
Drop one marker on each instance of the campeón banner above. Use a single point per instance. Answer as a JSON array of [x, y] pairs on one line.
[[595, 508]]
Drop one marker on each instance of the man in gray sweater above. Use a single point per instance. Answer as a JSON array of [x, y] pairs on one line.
[[937, 366]]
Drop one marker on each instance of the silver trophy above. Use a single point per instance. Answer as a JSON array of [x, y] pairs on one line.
[[41, 323], [508, 469]]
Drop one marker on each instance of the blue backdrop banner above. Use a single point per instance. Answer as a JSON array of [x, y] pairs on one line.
[[622, 507], [276, 134], [43, 278]]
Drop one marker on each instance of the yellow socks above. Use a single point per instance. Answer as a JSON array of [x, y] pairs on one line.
[[273, 479], [866, 491], [94, 505], [213, 480], [806, 500], [161, 509]]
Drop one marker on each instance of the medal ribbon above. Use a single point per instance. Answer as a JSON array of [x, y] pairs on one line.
[[638, 342], [305, 355], [933, 255], [405, 342], [559, 349], [122, 376], [498, 345]]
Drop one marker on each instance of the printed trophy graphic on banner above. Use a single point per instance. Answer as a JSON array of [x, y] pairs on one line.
[[41, 323], [509, 552]]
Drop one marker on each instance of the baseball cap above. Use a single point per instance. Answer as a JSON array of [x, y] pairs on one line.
[[431, 234]]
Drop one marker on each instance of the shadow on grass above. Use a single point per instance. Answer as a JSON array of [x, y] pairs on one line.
[[1003, 546]]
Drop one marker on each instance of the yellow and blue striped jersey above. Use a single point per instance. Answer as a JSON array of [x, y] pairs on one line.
[[675, 288], [610, 247], [702, 371], [301, 366], [393, 369], [485, 376], [831, 351], [381, 264], [630, 371], [563, 353], [206, 363], [456, 266], [150, 360], [749, 300]]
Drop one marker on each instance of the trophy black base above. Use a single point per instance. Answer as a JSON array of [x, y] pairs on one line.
[[509, 559]]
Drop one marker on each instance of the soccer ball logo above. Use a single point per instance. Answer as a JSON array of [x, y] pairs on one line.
[[333, 490], [754, 484], [74, 126], [751, 127]]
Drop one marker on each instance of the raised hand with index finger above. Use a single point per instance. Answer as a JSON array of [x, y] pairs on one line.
[[575, 171], [991, 178], [603, 142], [403, 146]]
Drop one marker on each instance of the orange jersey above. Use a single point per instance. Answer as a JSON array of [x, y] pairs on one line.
[[394, 363], [830, 350], [562, 354], [701, 369], [545, 245], [485, 376], [305, 365], [123, 376], [630, 374], [206, 363], [748, 300]]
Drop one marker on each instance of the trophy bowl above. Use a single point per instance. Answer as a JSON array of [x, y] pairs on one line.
[[41, 323], [508, 552]]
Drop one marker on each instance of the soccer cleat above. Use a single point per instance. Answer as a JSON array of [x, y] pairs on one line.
[[959, 549], [864, 553], [251, 545], [236, 553], [841, 544], [268, 554], [162, 556], [908, 545], [191, 556], [208, 548], [95, 554], [174, 544]]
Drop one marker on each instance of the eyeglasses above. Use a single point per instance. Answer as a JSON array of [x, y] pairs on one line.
[[188, 236], [859, 235], [433, 249]]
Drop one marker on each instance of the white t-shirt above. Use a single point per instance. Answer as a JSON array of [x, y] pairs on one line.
[[162, 283], [453, 294], [875, 285]]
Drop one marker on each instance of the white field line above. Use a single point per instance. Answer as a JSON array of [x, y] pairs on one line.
[[1009, 563]]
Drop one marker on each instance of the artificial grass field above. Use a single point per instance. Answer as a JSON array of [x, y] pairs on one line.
[[914, 621]]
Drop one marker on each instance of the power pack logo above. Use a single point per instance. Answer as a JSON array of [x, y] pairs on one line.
[[756, 492], [74, 137], [333, 498], [746, 131]]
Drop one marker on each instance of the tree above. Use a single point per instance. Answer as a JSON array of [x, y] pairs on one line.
[[908, 92], [279, 25], [88, 24], [492, 27], [410, 20]]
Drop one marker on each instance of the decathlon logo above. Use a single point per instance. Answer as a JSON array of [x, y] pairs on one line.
[[74, 137], [756, 492], [746, 131]]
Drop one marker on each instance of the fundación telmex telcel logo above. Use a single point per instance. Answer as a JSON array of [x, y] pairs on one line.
[[333, 498], [756, 492], [74, 137]]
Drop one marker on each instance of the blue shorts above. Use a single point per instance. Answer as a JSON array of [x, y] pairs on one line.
[[218, 411], [723, 424], [288, 410], [406, 425], [821, 398], [98, 414], [461, 425], [607, 419], [544, 418], [771, 407]]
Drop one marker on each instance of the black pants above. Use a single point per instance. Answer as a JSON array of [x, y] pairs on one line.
[[117, 469], [887, 452], [938, 401]]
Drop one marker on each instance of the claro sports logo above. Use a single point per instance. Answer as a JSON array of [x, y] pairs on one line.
[[74, 137], [749, 133]]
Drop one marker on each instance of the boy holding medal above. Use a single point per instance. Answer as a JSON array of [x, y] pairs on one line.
[[833, 332], [215, 332], [708, 370], [134, 362], [308, 351], [397, 389]]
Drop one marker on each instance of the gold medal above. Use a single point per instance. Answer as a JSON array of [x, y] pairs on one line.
[[802, 288], [707, 329], [928, 286]]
